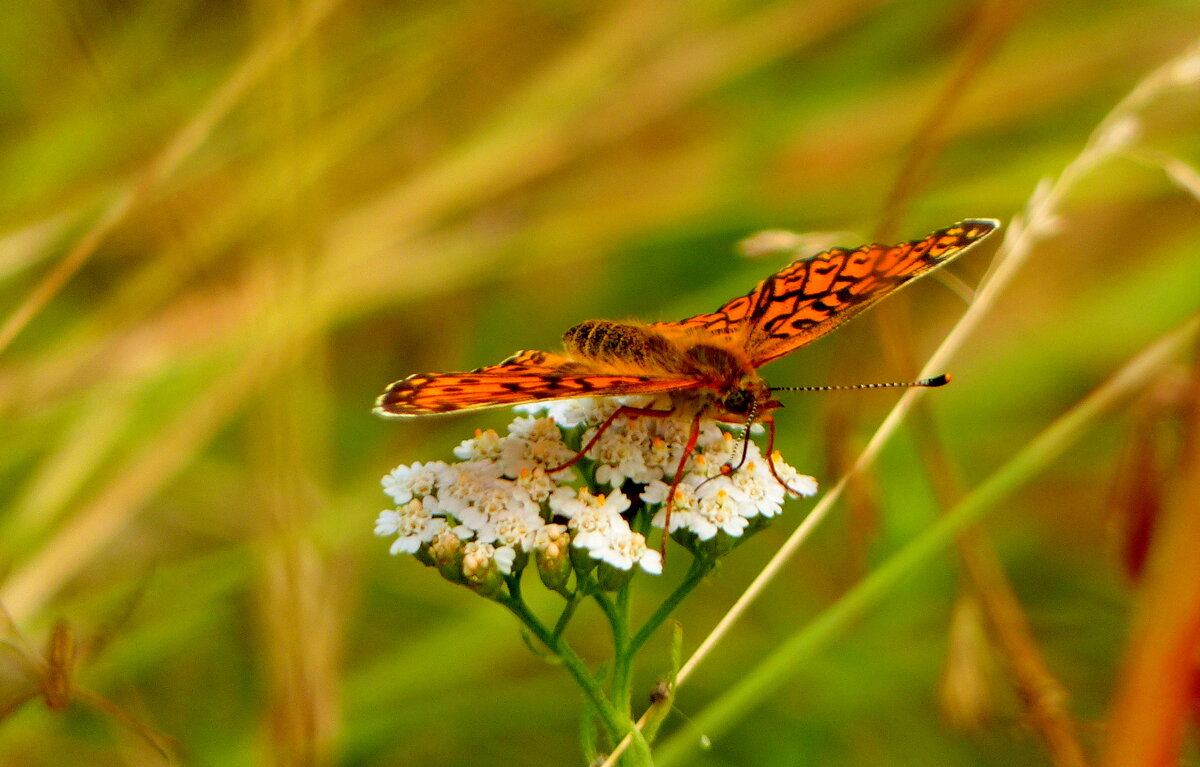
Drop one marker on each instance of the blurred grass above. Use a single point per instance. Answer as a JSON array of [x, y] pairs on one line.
[[292, 204]]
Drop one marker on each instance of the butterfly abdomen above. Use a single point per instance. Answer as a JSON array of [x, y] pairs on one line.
[[710, 361], [619, 342]]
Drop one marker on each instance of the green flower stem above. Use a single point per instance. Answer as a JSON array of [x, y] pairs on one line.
[[699, 568], [615, 725], [664, 700], [606, 605], [616, 722], [568, 611], [622, 677]]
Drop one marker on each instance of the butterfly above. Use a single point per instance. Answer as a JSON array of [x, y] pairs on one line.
[[707, 364]]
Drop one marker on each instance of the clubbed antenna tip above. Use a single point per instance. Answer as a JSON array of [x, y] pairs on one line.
[[938, 380]]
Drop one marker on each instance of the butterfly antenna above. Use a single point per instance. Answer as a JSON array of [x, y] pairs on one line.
[[940, 380]]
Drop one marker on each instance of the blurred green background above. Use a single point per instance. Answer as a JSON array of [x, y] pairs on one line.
[[225, 227]]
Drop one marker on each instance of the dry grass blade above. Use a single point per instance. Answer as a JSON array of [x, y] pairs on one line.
[[51, 675], [25, 591], [1042, 694], [1155, 699], [181, 145], [995, 23]]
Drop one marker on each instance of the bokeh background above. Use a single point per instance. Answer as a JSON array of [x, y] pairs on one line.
[[226, 226]]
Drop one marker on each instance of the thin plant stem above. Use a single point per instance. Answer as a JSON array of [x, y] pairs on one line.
[[696, 573], [622, 677], [993, 21], [606, 606], [1043, 697], [612, 711], [568, 610], [612, 721], [1041, 693]]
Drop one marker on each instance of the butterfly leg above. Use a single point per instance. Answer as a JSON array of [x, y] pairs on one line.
[[624, 410], [693, 435], [771, 461]]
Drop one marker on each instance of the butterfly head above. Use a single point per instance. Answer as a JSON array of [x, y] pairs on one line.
[[749, 400]]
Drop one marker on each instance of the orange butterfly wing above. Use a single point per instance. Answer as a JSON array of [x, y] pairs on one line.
[[527, 376], [813, 295], [802, 302]]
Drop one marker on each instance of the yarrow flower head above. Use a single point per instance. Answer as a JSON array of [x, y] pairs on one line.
[[530, 495]]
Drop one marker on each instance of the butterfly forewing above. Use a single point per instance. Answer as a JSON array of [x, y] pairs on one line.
[[813, 295], [527, 376]]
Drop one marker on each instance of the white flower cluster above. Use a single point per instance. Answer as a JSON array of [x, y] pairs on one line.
[[487, 513]]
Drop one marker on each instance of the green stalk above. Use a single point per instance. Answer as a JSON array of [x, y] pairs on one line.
[[617, 725], [574, 664], [623, 653], [565, 617], [696, 573]]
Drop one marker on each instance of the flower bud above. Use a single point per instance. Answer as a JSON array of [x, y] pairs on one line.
[[552, 552], [446, 551], [481, 570]]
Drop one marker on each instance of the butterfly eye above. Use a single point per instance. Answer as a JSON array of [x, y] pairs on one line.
[[738, 402]]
